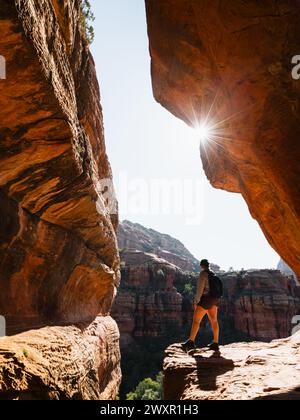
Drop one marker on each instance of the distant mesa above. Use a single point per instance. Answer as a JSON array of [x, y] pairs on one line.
[[134, 236]]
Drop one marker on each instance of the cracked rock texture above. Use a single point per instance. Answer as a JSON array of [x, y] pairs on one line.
[[58, 251], [61, 363], [243, 371], [232, 61]]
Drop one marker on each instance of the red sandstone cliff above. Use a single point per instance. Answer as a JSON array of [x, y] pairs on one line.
[[153, 301], [259, 303], [137, 237], [148, 303], [58, 251], [235, 58], [154, 308]]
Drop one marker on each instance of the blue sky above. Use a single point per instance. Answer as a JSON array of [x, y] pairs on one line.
[[146, 144]]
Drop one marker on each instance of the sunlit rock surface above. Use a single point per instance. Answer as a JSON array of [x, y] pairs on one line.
[[154, 307], [232, 60], [58, 252], [243, 371]]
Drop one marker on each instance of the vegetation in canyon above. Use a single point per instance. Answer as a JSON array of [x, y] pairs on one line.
[[87, 19], [148, 389]]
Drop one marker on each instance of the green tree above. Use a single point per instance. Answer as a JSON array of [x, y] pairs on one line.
[[87, 17], [188, 289], [148, 389]]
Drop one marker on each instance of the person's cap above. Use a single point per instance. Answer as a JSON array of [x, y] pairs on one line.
[[204, 262]]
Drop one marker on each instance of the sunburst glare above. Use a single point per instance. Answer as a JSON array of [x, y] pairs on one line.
[[209, 130], [203, 132]]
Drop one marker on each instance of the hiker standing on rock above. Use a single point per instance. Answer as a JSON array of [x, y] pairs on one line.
[[207, 301]]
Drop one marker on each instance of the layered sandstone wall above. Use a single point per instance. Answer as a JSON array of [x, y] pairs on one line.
[[148, 303], [59, 260], [259, 303], [154, 302], [137, 237], [231, 61]]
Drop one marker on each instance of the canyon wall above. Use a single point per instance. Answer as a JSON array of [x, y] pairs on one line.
[[137, 237], [156, 299], [148, 303], [154, 308], [259, 304], [231, 62], [58, 250]]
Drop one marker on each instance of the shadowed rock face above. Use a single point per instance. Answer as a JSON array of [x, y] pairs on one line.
[[58, 253], [235, 58]]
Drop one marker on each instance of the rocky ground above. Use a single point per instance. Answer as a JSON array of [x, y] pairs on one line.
[[243, 371], [60, 363]]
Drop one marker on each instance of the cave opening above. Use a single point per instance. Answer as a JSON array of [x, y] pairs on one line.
[[149, 148], [155, 145], [62, 305]]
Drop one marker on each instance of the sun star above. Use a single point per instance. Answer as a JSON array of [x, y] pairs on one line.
[[203, 132]]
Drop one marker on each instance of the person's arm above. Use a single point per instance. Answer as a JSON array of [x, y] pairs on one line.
[[200, 287]]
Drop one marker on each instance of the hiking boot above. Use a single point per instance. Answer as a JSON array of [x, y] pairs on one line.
[[214, 347], [188, 346]]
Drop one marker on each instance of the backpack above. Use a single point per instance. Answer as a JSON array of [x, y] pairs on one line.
[[216, 288]]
